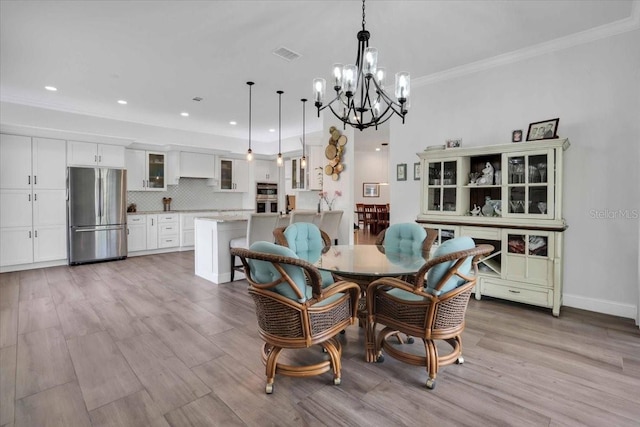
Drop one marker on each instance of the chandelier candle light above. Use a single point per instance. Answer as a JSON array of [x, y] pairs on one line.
[[358, 102]]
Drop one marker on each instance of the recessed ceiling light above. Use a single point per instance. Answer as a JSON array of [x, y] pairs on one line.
[[272, 130], [51, 88], [378, 149], [184, 114], [122, 102], [233, 123]]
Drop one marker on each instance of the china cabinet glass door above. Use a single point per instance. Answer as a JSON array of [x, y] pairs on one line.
[[441, 186], [529, 184]]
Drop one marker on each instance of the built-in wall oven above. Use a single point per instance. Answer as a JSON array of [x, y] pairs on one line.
[[266, 197]]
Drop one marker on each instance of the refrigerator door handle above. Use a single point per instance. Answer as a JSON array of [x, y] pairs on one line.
[[94, 229]]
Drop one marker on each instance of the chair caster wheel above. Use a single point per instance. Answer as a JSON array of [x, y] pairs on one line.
[[431, 384], [460, 360], [342, 332], [380, 359], [337, 381], [268, 389], [410, 340]]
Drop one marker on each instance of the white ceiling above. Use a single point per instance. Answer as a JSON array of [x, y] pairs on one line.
[[158, 55]]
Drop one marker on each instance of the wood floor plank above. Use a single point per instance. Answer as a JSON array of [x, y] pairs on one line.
[[37, 314], [7, 384], [118, 322], [137, 409], [58, 406], [103, 373], [43, 362], [195, 347], [8, 326], [170, 383], [204, 412], [78, 318], [34, 288], [191, 347]]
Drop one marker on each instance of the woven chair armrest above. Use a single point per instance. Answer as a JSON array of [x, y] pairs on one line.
[[315, 280], [380, 237], [392, 282], [278, 234], [476, 253]]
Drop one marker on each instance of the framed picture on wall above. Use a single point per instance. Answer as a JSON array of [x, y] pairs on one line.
[[370, 189], [416, 171], [547, 129], [401, 172]]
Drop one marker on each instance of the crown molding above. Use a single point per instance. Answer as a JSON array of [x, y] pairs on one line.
[[604, 31]]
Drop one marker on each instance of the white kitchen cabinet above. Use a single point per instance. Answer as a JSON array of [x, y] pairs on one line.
[[187, 228], [298, 174], [168, 230], [92, 154], [233, 175], [517, 209], [266, 171], [152, 231], [136, 233], [146, 170], [32, 200]]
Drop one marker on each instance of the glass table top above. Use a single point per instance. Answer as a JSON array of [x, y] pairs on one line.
[[369, 260]]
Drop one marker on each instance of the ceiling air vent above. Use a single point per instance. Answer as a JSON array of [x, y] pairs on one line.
[[286, 54]]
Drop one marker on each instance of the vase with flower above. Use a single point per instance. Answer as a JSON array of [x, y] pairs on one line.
[[325, 196]]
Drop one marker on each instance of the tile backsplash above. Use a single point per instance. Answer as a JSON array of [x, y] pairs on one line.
[[191, 193]]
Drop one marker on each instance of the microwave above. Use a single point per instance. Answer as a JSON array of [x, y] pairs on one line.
[[265, 190]]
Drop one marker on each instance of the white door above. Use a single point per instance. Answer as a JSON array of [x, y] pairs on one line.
[[135, 164], [16, 246], [15, 208], [111, 156], [49, 163], [49, 243], [152, 231], [82, 153], [49, 207], [15, 161], [137, 237]]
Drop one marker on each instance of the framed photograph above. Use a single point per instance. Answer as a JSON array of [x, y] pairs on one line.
[[454, 143], [547, 129], [516, 135], [401, 172], [416, 171], [370, 189]]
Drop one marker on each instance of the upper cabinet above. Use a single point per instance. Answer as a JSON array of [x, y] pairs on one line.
[[146, 170], [266, 171], [32, 163], [91, 154], [516, 184], [233, 175]]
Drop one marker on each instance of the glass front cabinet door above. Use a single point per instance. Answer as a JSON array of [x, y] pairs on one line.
[[529, 185], [441, 187]]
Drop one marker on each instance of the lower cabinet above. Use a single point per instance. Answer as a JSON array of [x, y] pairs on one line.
[[525, 266], [152, 231]]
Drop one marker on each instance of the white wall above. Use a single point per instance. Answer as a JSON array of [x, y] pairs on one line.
[[371, 166], [594, 89]]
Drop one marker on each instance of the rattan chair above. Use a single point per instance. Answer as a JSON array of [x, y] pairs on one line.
[[294, 315], [408, 235], [430, 311]]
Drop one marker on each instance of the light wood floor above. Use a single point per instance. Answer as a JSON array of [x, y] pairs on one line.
[[144, 342]]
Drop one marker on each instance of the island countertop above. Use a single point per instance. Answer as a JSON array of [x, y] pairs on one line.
[[221, 218]]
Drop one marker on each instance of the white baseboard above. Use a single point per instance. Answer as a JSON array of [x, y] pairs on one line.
[[600, 306]]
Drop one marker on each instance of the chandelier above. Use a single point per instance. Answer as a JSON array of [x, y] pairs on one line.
[[360, 100]]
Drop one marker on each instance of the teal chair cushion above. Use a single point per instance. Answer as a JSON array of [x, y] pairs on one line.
[[404, 237], [303, 237], [265, 272], [438, 271]]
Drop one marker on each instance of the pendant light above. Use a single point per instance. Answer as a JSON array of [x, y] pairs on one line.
[[279, 127], [303, 161], [249, 152]]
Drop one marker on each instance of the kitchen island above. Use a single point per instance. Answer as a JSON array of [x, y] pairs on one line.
[[212, 237]]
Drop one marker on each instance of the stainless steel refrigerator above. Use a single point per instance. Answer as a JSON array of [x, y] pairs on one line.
[[96, 214]]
